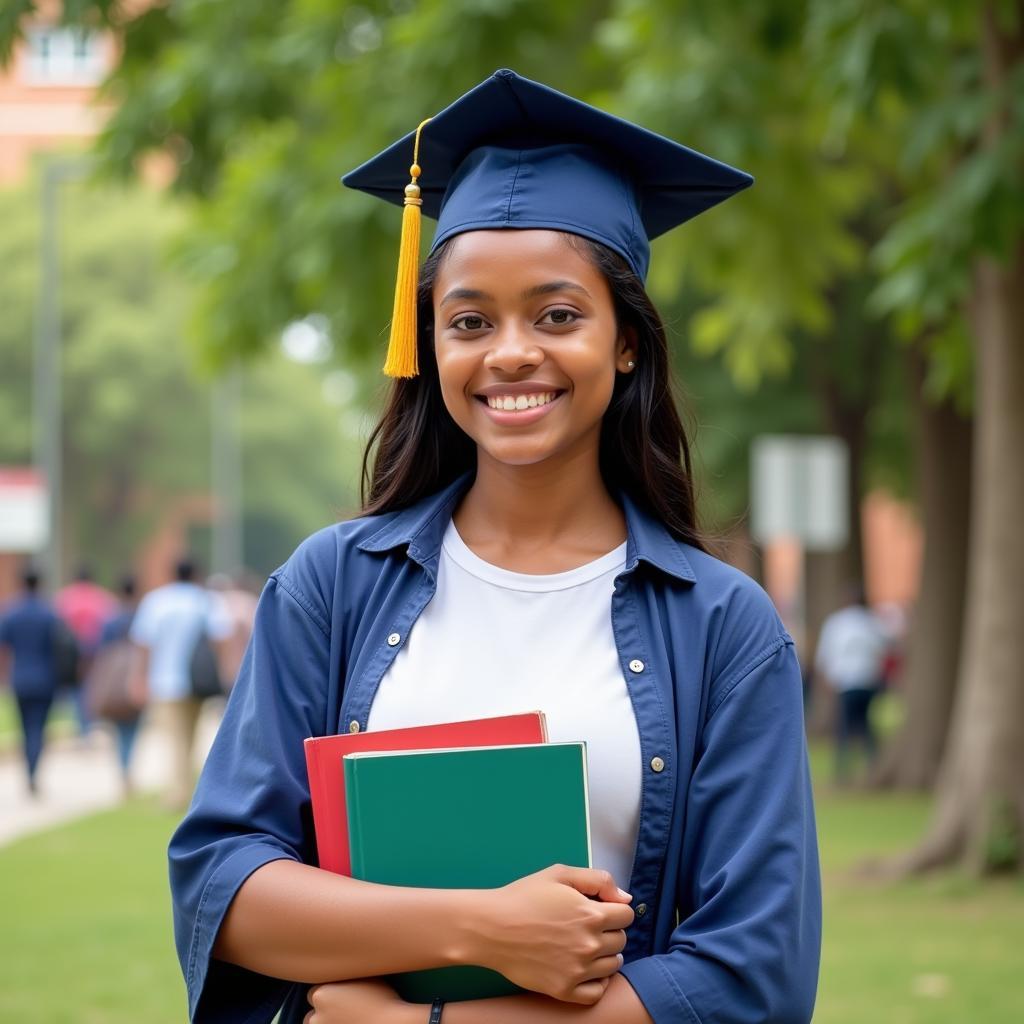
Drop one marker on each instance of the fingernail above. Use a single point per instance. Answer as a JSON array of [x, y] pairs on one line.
[[625, 895]]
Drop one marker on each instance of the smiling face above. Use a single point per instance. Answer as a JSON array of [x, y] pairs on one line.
[[527, 344]]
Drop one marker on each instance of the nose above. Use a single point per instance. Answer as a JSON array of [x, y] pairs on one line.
[[513, 349]]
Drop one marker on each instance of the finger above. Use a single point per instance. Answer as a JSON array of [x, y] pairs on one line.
[[611, 943], [593, 882], [589, 992], [616, 916], [604, 966]]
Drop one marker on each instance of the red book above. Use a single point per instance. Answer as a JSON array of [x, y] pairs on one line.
[[327, 775]]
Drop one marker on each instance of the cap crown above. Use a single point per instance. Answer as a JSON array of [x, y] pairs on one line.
[[513, 153]]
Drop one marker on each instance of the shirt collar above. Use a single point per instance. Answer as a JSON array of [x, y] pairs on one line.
[[421, 526]]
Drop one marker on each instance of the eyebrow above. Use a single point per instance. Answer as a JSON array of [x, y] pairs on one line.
[[473, 294]]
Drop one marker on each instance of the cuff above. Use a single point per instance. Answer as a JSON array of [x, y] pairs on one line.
[[658, 991], [220, 890]]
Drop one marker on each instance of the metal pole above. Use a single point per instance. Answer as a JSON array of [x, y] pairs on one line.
[[47, 394], [227, 554], [46, 389]]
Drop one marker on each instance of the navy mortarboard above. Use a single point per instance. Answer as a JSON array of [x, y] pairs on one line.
[[512, 153]]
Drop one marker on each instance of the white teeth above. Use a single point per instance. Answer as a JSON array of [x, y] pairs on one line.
[[517, 403]]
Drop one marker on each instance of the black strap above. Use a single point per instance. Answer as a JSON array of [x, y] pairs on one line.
[[435, 1012]]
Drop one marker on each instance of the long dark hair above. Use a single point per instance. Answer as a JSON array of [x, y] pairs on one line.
[[416, 448]]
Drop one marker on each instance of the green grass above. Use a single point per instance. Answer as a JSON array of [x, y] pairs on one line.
[[937, 950], [86, 936]]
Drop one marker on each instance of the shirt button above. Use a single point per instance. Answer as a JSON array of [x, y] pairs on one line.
[[657, 764], [636, 665], [394, 640], [641, 909], [353, 726]]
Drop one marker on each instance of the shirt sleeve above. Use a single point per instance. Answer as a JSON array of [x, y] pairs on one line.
[[747, 946], [141, 631], [251, 805]]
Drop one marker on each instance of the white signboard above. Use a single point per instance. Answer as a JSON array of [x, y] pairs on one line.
[[24, 510], [799, 490]]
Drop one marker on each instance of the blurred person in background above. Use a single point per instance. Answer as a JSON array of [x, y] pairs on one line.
[[171, 623], [239, 599], [115, 689], [28, 630], [85, 606], [852, 655]]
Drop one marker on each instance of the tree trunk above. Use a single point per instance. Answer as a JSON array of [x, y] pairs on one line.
[[911, 759], [826, 588], [981, 782], [981, 788]]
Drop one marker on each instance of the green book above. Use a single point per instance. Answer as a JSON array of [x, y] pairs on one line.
[[467, 818]]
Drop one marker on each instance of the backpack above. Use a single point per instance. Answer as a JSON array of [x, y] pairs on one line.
[[66, 655], [108, 687], [204, 673]]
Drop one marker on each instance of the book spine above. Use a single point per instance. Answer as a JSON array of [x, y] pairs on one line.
[[357, 860]]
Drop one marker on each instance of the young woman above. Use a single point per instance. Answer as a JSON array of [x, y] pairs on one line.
[[529, 541]]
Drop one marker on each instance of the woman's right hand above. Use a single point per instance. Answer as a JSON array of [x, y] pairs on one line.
[[559, 932]]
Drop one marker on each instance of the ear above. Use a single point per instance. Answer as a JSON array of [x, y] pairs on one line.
[[626, 349]]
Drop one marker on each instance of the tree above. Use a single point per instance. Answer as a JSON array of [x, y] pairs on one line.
[[981, 791], [783, 268], [943, 432], [955, 254]]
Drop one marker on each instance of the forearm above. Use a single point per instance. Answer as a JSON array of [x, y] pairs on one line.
[[619, 1005], [293, 921]]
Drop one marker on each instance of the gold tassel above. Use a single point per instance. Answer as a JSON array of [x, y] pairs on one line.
[[402, 356]]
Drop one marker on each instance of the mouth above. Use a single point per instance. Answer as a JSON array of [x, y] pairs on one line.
[[518, 403], [521, 409]]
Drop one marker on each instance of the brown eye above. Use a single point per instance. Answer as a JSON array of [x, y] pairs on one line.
[[469, 323], [560, 317]]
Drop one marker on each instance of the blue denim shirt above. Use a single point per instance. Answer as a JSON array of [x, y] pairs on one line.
[[725, 881]]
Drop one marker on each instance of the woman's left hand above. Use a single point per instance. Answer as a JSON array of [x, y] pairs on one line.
[[361, 1001]]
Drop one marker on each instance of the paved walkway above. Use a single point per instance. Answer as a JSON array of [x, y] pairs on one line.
[[80, 776]]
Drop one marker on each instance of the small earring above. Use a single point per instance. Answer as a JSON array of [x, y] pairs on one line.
[[630, 364]]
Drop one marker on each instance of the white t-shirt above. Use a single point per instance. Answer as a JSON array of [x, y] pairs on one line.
[[169, 621], [496, 642], [852, 649]]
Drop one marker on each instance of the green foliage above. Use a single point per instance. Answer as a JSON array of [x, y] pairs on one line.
[[124, 377], [136, 411], [860, 119], [833, 104], [311, 90], [916, 71], [12, 17], [730, 79]]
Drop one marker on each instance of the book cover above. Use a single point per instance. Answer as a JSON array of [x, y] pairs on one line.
[[464, 819], [327, 779]]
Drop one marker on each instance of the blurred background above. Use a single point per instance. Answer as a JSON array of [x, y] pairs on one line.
[[193, 314]]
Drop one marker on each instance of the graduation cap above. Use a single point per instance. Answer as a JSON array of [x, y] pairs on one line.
[[512, 153]]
